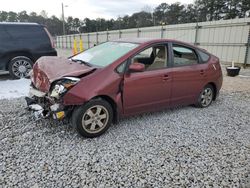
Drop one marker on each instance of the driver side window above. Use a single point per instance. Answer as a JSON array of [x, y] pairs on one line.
[[153, 58], [145, 53]]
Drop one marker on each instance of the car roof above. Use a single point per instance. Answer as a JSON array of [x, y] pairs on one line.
[[18, 23], [155, 40], [144, 40]]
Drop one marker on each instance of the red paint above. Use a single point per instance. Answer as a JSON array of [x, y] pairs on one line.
[[48, 69]]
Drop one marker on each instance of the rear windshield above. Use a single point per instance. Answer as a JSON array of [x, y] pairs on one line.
[[105, 54]]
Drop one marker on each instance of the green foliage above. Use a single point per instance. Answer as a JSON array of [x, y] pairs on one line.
[[176, 13]]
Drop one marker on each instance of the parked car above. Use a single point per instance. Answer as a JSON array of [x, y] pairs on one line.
[[21, 44], [121, 78]]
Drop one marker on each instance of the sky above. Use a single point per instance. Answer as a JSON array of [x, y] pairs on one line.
[[84, 8]]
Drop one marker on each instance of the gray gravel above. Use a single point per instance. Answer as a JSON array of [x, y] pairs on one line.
[[182, 147]]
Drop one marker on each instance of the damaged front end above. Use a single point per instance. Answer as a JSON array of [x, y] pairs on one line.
[[47, 104]]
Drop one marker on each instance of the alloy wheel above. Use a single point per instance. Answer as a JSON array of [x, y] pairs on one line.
[[206, 97], [21, 68], [95, 119]]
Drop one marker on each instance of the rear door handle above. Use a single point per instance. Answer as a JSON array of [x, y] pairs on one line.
[[165, 77], [202, 72]]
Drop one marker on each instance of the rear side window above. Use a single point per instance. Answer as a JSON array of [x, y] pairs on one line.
[[23, 32], [25, 36], [204, 56], [184, 56]]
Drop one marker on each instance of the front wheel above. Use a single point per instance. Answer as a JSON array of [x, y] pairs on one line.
[[206, 96], [93, 118]]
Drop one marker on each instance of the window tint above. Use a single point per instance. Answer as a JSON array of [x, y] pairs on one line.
[[204, 56], [184, 56], [153, 58], [26, 32]]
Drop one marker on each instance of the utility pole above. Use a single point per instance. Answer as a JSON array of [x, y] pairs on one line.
[[153, 18], [63, 19], [196, 27]]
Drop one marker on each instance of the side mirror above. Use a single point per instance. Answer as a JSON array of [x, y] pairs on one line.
[[136, 67]]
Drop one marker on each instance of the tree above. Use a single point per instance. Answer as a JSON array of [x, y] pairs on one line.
[[170, 14], [76, 24], [231, 9], [125, 22], [44, 14], [23, 16], [140, 19], [3, 16], [69, 25], [235, 8], [160, 13], [12, 17], [54, 25], [245, 8], [209, 10], [189, 14], [174, 13]]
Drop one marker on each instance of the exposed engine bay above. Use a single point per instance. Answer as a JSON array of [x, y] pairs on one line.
[[50, 104]]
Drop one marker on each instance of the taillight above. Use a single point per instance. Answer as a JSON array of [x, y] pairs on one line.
[[50, 38], [218, 62]]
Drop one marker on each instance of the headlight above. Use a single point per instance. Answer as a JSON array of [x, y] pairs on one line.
[[57, 91], [63, 85]]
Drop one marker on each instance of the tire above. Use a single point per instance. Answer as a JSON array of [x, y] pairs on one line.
[[92, 119], [19, 67], [206, 96]]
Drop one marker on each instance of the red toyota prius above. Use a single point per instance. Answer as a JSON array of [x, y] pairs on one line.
[[121, 78]]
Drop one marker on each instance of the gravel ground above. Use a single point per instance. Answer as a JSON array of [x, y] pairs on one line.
[[181, 147]]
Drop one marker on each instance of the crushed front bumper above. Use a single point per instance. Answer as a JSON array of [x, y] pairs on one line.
[[44, 106]]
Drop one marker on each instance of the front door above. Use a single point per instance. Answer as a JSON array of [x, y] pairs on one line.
[[149, 90]]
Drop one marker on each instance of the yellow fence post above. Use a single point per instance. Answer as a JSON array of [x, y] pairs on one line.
[[75, 51], [81, 45]]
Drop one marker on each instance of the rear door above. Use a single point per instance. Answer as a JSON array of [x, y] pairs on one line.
[[188, 74], [149, 90]]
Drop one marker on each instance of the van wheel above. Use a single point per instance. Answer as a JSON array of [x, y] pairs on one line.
[[206, 96], [19, 67], [93, 118]]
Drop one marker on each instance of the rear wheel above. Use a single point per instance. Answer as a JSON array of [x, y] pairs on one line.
[[93, 118], [206, 96], [19, 67]]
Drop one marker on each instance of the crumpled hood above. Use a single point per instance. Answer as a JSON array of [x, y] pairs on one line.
[[47, 69]]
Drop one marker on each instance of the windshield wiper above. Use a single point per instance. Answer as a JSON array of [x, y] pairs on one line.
[[81, 61]]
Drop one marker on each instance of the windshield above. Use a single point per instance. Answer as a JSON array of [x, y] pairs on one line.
[[104, 54]]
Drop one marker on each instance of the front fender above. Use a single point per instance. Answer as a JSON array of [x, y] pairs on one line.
[[79, 94], [89, 88]]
